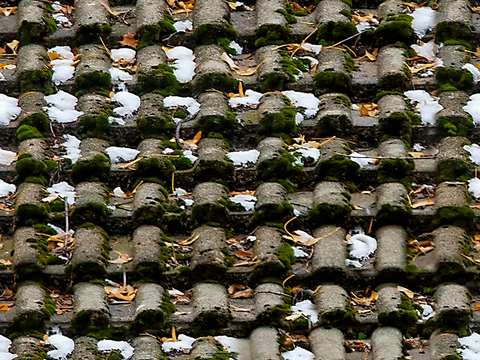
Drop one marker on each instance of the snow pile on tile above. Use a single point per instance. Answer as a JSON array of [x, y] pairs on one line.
[[470, 347], [425, 105], [61, 107], [63, 68], [181, 26], [474, 151], [236, 46], [122, 55], [72, 147], [427, 312], [242, 158], [184, 64], [428, 50], [63, 344], [189, 155], [185, 343], [130, 103], [361, 248], [306, 151], [231, 345], [361, 159], [298, 252], [312, 60], [64, 190], [474, 71], [312, 48], [251, 98], [298, 354], [8, 109], [6, 188], [171, 102], [424, 19], [118, 154], [247, 201], [474, 187], [473, 108], [59, 17], [125, 349], [306, 101], [119, 75], [6, 157], [4, 346]]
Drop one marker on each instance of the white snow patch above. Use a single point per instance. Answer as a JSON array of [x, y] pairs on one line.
[[242, 158], [180, 192], [307, 152], [474, 151], [118, 154], [122, 54], [175, 292], [306, 308], [474, 71], [424, 19], [185, 343], [251, 238], [361, 159], [130, 103], [425, 105], [72, 146], [418, 147], [184, 64], [313, 61], [364, 26], [306, 101], [118, 192], [298, 354], [63, 344], [61, 20], [428, 50], [168, 151], [427, 312], [6, 157], [125, 349], [189, 155], [4, 346], [2, 78], [115, 120], [61, 107], [236, 46], [188, 202], [230, 344], [474, 187], [312, 48], [62, 67], [362, 246], [247, 201], [302, 236], [470, 347], [6, 188], [473, 108], [298, 252], [171, 102], [354, 263], [252, 98], [8, 109], [119, 75], [299, 118], [181, 26], [64, 190]]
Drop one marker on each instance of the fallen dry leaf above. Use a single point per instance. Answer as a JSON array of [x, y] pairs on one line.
[[424, 202], [229, 61], [6, 11], [363, 110], [249, 72], [244, 255], [242, 294], [370, 57], [413, 5], [13, 46], [122, 258], [3, 307], [7, 294], [476, 308], [52, 55], [126, 293], [234, 308], [410, 294], [192, 143], [5, 262], [129, 40]]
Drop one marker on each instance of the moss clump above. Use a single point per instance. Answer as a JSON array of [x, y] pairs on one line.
[[209, 213], [286, 255], [459, 79], [390, 215], [273, 213], [94, 170], [94, 127], [207, 34], [293, 68], [150, 215], [394, 170], [399, 124], [449, 30], [219, 81], [275, 316], [95, 213], [456, 216], [396, 29], [342, 319], [97, 82], [395, 82], [272, 35], [49, 307], [342, 99], [213, 170], [326, 213], [39, 121], [161, 80], [92, 33], [340, 169], [330, 81], [44, 255], [30, 214], [271, 82], [453, 170], [90, 322], [333, 32], [25, 132], [334, 125], [225, 125], [154, 167], [280, 169], [32, 170], [453, 126], [279, 124], [153, 321], [156, 127], [28, 323], [37, 80], [209, 323], [403, 318], [34, 33]]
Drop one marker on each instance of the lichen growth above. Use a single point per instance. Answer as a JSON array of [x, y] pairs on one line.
[[209, 323], [340, 169], [273, 213], [279, 123], [94, 127], [218, 81], [399, 124], [394, 170], [326, 213], [282, 169], [95, 82], [207, 34], [450, 30], [331, 81], [452, 170], [91, 212], [453, 126]]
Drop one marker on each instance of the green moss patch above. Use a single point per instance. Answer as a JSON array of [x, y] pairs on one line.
[[154, 167], [273, 213], [219, 81], [39, 121], [458, 79], [90, 323], [448, 30], [279, 124], [456, 216], [276, 316], [225, 125], [213, 170], [286, 255], [94, 127], [453, 170], [95, 82], [281, 169], [330, 81], [33, 33], [334, 125], [92, 33], [340, 169], [154, 321], [394, 170], [399, 124], [207, 34], [31, 170], [272, 35], [453, 126], [342, 319], [209, 213], [405, 317], [326, 213], [390, 215], [333, 32], [271, 82], [209, 324], [94, 170], [156, 127], [396, 29], [95, 213], [161, 80], [37, 80]]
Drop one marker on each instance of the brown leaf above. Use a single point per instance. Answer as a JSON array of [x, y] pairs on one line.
[[53, 55], [7, 294], [126, 293], [424, 202], [363, 110], [229, 61], [244, 255], [122, 258], [7, 10], [413, 5], [244, 294], [129, 40], [5, 262]]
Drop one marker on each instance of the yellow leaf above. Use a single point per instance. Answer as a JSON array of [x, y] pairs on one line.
[[122, 258], [229, 61], [232, 5], [476, 308], [363, 110], [249, 72], [5, 262], [53, 55], [174, 336], [425, 202], [413, 5], [13, 46], [240, 89], [8, 10], [3, 307], [197, 137], [370, 57], [410, 294], [190, 240]]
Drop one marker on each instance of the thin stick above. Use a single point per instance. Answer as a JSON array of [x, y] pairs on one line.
[[66, 224], [124, 279], [351, 37], [387, 157]]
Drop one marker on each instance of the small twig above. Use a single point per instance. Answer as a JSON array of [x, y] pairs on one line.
[[66, 224], [274, 293], [178, 128], [350, 37], [124, 279], [387, 157]]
